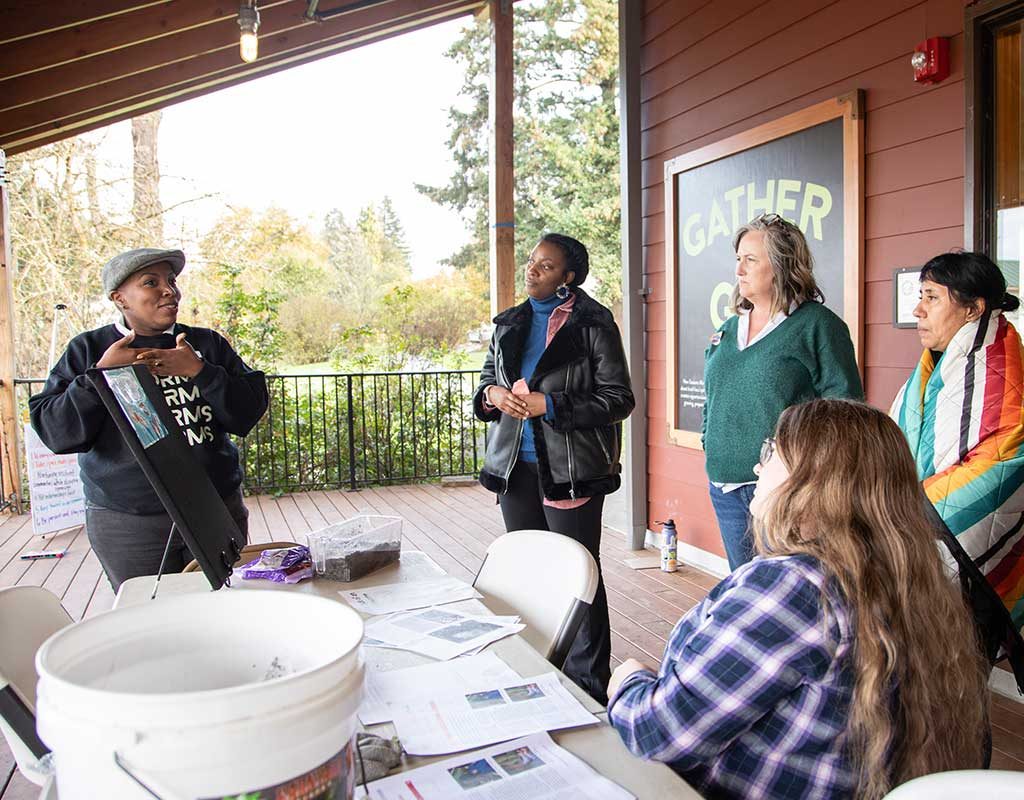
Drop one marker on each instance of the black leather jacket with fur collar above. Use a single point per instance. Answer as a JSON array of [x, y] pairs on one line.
[[584, 372]]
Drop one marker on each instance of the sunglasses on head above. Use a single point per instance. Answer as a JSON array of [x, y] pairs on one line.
[[774, 219]]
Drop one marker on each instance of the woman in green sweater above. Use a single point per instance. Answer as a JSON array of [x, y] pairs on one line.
[[781, 347]]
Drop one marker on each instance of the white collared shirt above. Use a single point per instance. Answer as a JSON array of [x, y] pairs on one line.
[[742, 332], [121, 329], [743, 328]]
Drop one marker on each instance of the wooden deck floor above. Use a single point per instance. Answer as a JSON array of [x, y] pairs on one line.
[[454, 526]]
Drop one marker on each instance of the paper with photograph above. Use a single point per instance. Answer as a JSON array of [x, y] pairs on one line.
[[439, 632], [124, 383], [394, 597], [475, 716], [383, 690], [531, 767]]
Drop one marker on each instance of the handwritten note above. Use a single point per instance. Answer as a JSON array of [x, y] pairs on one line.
[[56, 489]]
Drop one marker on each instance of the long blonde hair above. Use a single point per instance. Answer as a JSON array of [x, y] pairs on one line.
[[852, 501], [791, 261]]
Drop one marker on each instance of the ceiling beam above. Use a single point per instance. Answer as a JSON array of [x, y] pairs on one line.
[[111, 34], [34, 18], [148, 92], [51, 96], [179, 46]]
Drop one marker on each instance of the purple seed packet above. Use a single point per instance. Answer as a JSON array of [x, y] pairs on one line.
[[283, 565]]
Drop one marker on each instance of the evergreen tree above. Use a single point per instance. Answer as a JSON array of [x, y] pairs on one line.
[[566, 136], [394, 232]]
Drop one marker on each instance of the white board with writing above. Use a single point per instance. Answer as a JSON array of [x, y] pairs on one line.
[[56, 491]]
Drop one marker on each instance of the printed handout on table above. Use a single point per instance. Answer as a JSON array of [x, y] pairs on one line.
[[474, 716], [418, 566], [398, 687], [405, 596], [531, 767], [439, 632]]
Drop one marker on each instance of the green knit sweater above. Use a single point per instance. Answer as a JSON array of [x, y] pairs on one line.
[[809, 355]]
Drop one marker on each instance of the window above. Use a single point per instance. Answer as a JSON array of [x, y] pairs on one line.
[[996, 135], [1007, 166]]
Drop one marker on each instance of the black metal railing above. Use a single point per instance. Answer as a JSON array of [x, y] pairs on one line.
[[351, 430]]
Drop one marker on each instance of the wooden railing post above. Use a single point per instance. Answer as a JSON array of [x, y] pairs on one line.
[[10, 451], [501, 177]]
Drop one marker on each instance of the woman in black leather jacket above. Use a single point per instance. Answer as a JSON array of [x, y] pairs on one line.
[[555, 387]]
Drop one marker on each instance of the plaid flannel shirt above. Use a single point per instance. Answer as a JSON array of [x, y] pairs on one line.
[[752, 697]]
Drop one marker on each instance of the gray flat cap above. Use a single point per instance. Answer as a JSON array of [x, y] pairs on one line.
[[129, 262]]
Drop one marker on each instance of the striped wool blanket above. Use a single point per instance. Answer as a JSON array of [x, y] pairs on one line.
[[964, 419]]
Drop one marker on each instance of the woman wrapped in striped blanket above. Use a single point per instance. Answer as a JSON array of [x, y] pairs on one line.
[[963, 416]]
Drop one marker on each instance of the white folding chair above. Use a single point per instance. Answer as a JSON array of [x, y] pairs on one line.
[[546, 578], [958, 784], [29, 615]]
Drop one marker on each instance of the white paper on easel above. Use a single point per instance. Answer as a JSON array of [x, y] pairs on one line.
[[58, 499]]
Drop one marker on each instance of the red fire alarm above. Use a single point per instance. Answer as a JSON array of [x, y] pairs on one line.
[[931, 60]]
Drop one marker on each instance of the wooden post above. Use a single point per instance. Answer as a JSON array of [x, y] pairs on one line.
[[501, 179], [634, 295], [10, 452]]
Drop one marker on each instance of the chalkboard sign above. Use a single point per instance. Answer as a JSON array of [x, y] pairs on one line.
[[141, 414], [805, 167]]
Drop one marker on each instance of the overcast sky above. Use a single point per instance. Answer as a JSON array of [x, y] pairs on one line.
[[341, 132]]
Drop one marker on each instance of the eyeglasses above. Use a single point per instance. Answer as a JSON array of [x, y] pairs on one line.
[[767, 451]]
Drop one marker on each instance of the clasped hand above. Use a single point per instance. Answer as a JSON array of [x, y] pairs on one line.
[[534, 404], [180, 360]]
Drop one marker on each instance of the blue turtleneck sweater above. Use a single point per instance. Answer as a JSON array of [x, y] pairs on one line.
[[536, 343]]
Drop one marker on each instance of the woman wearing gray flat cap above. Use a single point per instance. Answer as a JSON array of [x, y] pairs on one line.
[[209, 389]]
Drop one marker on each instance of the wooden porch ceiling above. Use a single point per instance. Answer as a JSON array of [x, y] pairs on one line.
[[68, 66]]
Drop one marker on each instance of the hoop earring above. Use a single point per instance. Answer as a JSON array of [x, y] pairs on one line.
[[562, 292]]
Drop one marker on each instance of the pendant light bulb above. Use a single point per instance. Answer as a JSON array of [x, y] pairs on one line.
[[248, 46], [249, 23]]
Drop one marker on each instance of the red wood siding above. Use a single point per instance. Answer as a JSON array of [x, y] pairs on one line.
[[714, 69]]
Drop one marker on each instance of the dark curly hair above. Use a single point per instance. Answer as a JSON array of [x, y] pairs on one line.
[[577, 259]]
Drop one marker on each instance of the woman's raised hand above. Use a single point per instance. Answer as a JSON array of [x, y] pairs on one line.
[[121, 353], [179, 360]]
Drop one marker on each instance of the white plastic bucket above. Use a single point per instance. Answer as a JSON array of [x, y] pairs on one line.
[[210, 695]]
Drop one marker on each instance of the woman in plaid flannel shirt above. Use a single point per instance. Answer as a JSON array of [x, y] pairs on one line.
[[838, 663]]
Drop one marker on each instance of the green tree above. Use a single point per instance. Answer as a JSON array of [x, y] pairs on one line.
[[353, 282], [431, 317], [65, 223], [566, 142], [366, 259], [312, 323], [249, 319], [394, 232], [256, 260], [384, 240]]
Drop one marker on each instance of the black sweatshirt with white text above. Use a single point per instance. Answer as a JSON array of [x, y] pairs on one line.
[[226, 397]]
